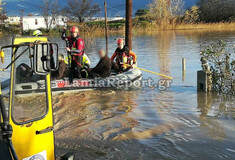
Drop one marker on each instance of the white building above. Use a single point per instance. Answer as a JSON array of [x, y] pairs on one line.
[[37, 22], [13, 20]]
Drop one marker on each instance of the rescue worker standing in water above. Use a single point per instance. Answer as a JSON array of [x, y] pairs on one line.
[[76, 46], [85, 64], [123, 58]]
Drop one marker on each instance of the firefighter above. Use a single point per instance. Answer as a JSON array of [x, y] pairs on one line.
[[86, 63], [123, 58], [76, 48]]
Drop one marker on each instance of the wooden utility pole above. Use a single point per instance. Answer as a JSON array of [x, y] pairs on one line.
[[106, 27], [129, 23]]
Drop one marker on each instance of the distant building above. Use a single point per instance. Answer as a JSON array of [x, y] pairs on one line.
[[13, 20], [37, 22]]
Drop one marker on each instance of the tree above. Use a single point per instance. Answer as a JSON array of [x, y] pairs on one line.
[[160, 8], [165, 10], [3, 16], [50, 10], [21, 12], [81, 9], [144, 16], [192, 15], [216, 10], [2, 4], [141, 12]]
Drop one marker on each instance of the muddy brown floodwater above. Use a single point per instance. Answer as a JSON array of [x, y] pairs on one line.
[[178, 123], [115, 125]]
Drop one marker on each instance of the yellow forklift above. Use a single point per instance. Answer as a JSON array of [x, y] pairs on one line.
[[26, 126]]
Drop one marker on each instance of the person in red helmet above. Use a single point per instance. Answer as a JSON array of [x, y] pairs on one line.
[[123, 58], [75, 45]]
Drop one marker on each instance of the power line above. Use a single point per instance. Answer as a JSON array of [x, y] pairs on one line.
[[116, 7], [37, 6]]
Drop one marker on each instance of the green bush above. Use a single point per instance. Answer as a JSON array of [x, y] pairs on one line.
[[222, 67]]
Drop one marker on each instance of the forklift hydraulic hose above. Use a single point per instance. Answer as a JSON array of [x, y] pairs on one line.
[[7, 129]]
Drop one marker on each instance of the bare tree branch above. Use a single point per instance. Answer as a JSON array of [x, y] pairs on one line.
[[164, 10], [50, 9], [82, 9]]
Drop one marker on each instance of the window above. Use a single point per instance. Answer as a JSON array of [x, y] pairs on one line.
[[30, 106], [36, 22], [53, 21]]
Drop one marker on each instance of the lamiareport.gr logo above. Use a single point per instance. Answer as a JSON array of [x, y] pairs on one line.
[[162, 84], [112, 82]]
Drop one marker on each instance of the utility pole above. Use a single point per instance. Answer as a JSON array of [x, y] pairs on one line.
[[129, 23], [106, 28], [21, 13]]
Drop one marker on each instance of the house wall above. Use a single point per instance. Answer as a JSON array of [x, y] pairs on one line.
[[13, 20], [37, 22]]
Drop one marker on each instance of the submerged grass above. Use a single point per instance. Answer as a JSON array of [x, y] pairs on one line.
[[198, 26], [97, 28]]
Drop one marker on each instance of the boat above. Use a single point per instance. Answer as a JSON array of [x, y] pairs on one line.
[[124, 81]]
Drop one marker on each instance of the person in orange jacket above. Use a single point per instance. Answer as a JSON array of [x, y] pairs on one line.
[[123, 58]]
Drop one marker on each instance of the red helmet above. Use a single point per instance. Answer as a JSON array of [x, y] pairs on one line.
[[74, 29], [120, 41]]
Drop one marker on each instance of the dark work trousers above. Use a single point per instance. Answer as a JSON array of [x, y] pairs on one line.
[[75, 67], [52, 62]]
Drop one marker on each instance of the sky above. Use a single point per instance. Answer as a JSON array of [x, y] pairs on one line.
[[115, 7]]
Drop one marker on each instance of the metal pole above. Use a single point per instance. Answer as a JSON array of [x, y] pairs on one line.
[[106, 28], [129, 23]]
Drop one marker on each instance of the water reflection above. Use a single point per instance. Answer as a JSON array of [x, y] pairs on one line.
[[213, 105], [204, 101], [165, 39]]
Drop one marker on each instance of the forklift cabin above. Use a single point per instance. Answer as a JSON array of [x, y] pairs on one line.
[[26, 126]]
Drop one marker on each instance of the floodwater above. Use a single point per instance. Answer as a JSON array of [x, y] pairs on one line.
[[178, 123]]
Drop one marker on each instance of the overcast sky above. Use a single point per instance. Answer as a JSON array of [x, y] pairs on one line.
[[115, 7]]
